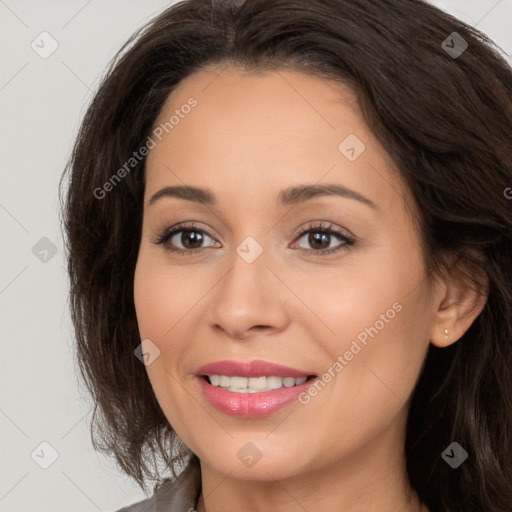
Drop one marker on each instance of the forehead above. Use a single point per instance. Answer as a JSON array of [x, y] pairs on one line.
[[257, 105], [256, 132]]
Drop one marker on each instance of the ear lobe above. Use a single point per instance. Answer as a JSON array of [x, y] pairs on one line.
[[460, 300]]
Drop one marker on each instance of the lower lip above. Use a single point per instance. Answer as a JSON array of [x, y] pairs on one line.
[[251, 405]]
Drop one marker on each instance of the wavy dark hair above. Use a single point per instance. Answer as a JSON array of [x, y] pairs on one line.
[[445, 121]]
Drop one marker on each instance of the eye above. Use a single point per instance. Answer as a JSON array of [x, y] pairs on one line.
[[188, 239], [189, 236], [320, 238]]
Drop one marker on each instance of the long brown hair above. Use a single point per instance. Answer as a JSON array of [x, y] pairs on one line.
[[444, 119]]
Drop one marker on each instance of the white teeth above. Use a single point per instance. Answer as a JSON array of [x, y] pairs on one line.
[[224, 382], [258, 383], [238, 382], [288, 382], [254, 384], [274, 382]]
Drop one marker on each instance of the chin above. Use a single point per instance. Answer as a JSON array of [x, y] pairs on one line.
[[255, 460]]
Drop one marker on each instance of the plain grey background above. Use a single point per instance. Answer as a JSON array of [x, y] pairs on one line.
[[43, 96]]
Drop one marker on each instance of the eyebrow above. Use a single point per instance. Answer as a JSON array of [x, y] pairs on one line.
[[289, 196]]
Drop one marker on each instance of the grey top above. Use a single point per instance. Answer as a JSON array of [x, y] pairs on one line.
[[178, 496]]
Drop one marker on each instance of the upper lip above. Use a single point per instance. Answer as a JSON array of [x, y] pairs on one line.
[[254, 368]]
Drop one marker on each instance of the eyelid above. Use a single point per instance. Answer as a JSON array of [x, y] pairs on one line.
[[327, 227], [343, 234], [176, 228], [345, 237]]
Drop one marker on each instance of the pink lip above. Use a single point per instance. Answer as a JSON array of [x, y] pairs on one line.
[[250, 369], [250, 405]]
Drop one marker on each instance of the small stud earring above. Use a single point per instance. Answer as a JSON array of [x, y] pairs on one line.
[[446, 333]]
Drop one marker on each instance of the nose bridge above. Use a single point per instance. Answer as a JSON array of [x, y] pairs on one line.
[[249, 295]]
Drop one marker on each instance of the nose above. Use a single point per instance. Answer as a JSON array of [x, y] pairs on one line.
[[249, 300]]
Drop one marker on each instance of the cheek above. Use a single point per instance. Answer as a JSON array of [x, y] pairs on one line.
[[157, 304], [383, 356], [148, 298], [376, 322], [162, 296], [351, 296]]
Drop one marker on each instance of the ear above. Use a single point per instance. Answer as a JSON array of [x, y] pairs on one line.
[[457, 301]]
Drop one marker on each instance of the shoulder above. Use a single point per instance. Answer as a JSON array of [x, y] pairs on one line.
[[179, 495], [148, 505]]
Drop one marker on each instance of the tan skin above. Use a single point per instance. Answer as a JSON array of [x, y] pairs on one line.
[[250, 136]]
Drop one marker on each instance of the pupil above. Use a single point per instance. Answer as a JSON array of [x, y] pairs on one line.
[[318, 238], [191, 236]]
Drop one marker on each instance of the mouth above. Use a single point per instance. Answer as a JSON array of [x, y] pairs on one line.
[[252, 389], [253, 395]]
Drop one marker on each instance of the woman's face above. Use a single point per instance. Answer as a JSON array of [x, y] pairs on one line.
[[262, 280]]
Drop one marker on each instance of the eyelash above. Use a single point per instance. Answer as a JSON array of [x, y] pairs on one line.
[[326, 229]]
